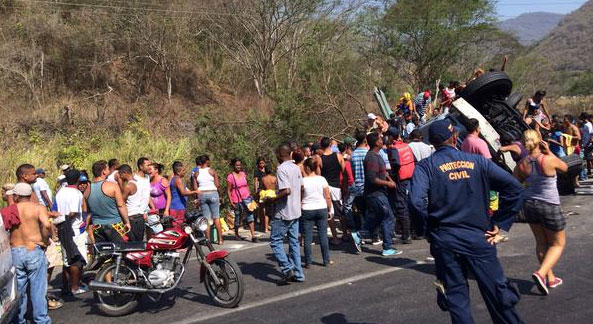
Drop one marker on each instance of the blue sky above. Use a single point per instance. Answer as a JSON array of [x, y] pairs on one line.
[[512, 8]]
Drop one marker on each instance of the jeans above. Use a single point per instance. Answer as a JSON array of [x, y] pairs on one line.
[[349, 207], [380, 213], [280, 228], [317, 218], [399, 203], [210, 203], [249, 217], [31, 270], [138, 225], [359, 214], [583, 176]]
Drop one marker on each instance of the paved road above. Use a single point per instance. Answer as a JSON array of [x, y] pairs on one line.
[[368, 288]]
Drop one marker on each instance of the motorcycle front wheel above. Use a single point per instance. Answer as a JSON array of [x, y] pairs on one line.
[[116, 303], [229, 292]]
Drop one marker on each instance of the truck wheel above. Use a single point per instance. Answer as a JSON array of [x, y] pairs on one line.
[[514, 99], [489, 85]]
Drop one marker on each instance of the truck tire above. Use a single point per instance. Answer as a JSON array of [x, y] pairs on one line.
[[514, 99], [489, 85], [565, 180]]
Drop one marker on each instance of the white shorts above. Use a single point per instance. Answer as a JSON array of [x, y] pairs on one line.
[[335, 193], [80, 241]]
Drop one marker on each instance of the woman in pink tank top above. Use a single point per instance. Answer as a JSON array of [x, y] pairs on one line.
[[160, 192], [240, 198]]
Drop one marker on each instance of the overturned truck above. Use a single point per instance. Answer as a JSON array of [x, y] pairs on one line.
[[490, 100]]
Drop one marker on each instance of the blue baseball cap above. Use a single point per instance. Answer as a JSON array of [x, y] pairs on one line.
[[83, 178], [441, 130], [39, 171]]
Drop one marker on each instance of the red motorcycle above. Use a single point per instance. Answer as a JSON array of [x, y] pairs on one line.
[[156, 267]]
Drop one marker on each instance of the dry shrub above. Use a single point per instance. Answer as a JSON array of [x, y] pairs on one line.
[[574, 105]]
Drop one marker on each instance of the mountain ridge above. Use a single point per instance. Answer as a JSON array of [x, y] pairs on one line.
[[570, 44], [529, 28]]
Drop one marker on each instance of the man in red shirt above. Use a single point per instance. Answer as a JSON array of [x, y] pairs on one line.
[[473, 143]]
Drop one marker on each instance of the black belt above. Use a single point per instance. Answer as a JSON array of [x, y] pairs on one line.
[[136, 216]]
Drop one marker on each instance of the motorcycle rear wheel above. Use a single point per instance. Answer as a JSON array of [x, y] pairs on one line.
[[230, 292], [117, 303]]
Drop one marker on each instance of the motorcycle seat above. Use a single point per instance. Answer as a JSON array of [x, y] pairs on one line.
[[110, 247]]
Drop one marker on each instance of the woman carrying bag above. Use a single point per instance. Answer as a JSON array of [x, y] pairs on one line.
[[240, 198]]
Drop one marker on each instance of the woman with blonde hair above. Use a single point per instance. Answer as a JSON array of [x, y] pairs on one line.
[[542, 207]]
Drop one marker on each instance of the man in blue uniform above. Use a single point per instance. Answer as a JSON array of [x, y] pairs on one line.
[[450, 193]]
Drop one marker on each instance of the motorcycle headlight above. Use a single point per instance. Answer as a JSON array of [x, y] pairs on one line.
[[202, 224]]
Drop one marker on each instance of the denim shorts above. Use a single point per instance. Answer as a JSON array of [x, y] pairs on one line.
[[210, 204], [548, 215]]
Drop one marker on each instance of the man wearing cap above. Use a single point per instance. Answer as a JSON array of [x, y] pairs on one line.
[[423, 103], [371, 118], [27, 240], [42, 189], [71, 230], [449, 192]]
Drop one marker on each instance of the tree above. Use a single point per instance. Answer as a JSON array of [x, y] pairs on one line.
[[423, 39], [162, 39], [259, 34]]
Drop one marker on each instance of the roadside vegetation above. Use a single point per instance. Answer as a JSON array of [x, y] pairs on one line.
[[91, 80]]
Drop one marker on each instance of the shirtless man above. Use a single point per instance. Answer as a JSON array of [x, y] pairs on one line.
[[571, 129], [25, 173], [27, 241], [268, 184]]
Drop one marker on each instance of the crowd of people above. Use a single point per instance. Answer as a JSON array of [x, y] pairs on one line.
[[383, 186]]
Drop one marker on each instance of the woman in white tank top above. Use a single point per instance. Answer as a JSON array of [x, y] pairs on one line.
[[208, 184]]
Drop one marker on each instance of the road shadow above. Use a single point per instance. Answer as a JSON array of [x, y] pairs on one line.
[[338, 318], [390, 261], [426, 268], [526, 287], [154, 304], [260, 271]]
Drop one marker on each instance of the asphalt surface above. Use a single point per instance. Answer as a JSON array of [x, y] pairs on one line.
[[369, 288]]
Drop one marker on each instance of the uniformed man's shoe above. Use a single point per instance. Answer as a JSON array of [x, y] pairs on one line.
[[391, 252], [357, 241], [540, 282]]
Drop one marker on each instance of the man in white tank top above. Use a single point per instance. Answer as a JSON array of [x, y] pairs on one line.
[[136, 192], [113, 176]]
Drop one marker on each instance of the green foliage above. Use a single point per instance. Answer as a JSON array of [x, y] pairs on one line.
[[423, 39], [72, 154], [582, 86]]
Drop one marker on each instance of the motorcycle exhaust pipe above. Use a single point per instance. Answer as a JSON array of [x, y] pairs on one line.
[[107, 286]]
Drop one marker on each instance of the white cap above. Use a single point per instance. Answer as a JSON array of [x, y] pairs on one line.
[[64, 167], [371, 116], [61, 177], [22, 189]]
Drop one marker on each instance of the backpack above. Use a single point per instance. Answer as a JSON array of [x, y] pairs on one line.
[[405, 157]]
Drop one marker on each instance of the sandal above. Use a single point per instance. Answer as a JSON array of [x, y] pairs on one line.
[[53, 304]]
